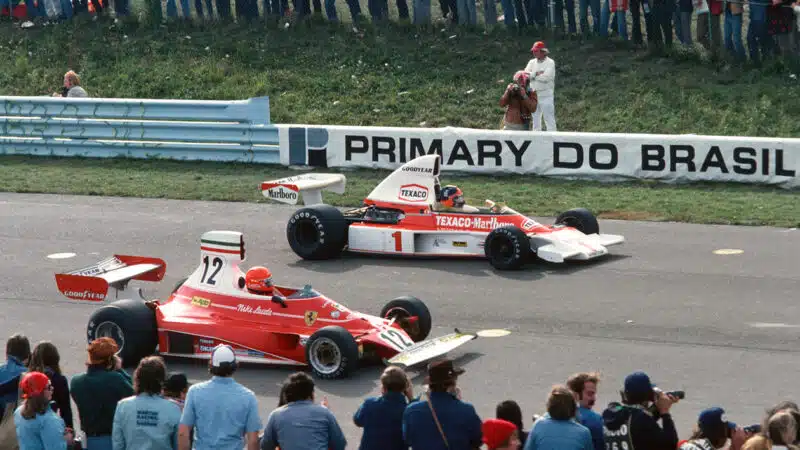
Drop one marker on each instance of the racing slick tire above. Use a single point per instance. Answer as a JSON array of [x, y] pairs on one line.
[[579, 218], [336, 344], [507, 248], [407, 306], [132, 325], [317, 232]]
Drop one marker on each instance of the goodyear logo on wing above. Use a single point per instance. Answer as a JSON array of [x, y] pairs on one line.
[[413, 193], [85, 295], [201, 302], [418, 169]]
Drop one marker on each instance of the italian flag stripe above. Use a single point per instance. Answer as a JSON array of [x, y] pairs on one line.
[[223, 244], [206, 248]]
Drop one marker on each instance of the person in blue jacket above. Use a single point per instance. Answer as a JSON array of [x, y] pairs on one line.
[[584, 387], [382, 417], [38, 426], [439, 419]]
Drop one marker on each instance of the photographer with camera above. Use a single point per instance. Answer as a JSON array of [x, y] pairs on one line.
[[520, 103], [633, 424], [713, 431]]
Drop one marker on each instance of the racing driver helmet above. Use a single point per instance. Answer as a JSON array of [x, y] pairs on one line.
[[259, 280], [452, 197]]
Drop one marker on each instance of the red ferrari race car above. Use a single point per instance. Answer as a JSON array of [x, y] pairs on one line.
[[403, 216], [213, 306]]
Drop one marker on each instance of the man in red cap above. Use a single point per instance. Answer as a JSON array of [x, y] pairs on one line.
[[542, 70], [500, 434], [35, 423]]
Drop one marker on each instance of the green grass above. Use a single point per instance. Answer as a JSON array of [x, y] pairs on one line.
[[326, 74], [403, 76], [717, 203]]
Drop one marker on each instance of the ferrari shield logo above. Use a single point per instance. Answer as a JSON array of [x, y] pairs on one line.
[[311, 317]]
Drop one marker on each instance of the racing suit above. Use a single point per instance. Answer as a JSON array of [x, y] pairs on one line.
[[632, 427]]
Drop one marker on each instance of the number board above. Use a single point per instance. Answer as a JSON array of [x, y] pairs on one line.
[[396, 339], [212, 268]]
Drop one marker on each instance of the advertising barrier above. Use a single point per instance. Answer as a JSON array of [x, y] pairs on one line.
[[590, 156]]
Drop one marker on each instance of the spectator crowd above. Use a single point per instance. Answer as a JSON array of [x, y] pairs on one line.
[[155, 409], [718, 25]]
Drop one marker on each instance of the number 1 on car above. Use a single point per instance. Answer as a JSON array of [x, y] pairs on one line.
[[400, 244]]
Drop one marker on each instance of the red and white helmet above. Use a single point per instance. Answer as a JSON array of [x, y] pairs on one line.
[[259, 279]]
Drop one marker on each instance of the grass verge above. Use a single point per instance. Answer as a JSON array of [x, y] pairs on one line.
[[401, 76], [712, 203]]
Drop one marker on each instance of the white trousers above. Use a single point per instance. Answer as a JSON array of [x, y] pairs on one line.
[[547, 108]]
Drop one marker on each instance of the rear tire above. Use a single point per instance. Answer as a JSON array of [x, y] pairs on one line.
[[132, 325], [317, 232], [408, 306], [507, 248], [332, 352], [581, 219]]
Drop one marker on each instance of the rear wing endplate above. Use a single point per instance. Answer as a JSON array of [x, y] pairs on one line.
[[91, 283], [287, 190]]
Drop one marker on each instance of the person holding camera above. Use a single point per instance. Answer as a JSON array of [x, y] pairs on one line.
[[72, 86], [713, 431], [520, 103], [633, 424]]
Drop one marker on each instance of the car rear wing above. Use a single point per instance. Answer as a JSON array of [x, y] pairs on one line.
[[287, 190], [91, 283]]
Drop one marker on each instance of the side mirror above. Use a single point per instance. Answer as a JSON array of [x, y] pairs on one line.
[[279, 300]]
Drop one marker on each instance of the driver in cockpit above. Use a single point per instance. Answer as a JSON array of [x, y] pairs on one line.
[[258, 280], [452, 199]]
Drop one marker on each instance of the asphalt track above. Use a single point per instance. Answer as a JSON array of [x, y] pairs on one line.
[[722, 327]]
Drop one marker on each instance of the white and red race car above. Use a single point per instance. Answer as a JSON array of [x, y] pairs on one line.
[[400, 217]]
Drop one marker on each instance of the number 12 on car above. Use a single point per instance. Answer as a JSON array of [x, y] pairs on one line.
[[400, 242]]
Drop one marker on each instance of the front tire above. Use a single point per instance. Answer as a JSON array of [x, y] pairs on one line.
[[132, 325], [317, 232], [581, 219], [332, 353], [507, 248], [405, 307]]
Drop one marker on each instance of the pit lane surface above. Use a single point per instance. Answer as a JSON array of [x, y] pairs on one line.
[[722, 327]]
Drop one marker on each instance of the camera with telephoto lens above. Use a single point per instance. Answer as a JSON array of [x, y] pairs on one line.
[[653, 409], [516, 90], [753, 429]]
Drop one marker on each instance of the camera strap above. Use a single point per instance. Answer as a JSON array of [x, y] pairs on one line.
[[436, 419]]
